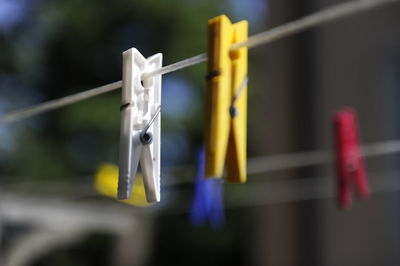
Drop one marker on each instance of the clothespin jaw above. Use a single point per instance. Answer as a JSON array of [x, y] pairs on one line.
[[140, 125], [106, 183], [226, 100], [350, 164], [208, 202]]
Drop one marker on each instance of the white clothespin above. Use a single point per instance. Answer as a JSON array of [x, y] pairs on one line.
[[140, 125]]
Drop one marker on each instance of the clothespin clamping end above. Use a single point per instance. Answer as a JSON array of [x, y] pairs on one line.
[[140, 125], [350, 163], [208, 203], [106, 183], [226, 100]]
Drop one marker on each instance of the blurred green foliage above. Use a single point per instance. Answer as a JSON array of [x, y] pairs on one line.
[[59, 48], [63, 47]]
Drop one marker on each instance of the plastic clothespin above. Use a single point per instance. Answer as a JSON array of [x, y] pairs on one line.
[[226, 100], [350, 163], [208, 203], [106, 183], [140, 125]]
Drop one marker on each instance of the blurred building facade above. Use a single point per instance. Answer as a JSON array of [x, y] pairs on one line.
[[352, 62]]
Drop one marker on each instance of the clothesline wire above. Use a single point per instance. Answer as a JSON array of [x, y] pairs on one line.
[[270, 163], [287, 191], [257, 194], [57, 103], [307, 22], [269, 192], [278, 162]]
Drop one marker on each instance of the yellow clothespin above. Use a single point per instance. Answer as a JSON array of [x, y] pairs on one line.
[[106, 183], [226, 100]]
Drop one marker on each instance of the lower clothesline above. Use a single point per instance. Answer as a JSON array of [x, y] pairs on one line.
[[184, 174], [266, 190], [285, 191], [269, 163]]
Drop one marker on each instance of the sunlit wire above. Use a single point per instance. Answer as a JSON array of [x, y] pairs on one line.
[[307, 22]]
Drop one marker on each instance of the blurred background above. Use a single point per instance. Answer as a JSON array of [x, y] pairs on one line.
[[50, 214]]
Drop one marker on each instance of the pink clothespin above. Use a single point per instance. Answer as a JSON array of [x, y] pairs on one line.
[[350, 163]]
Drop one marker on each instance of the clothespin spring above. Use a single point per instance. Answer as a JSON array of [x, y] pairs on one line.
[[213, 74], [147, 138]]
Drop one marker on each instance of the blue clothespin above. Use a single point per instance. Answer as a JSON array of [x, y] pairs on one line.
[[208, 198]]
